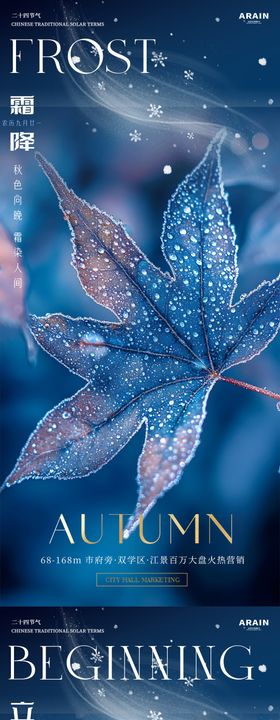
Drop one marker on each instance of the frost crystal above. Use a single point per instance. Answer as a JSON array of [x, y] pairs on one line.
[[153, 715], [135, 136], [189, 682], [188, 74], [155, 665], [101, 85], [93, 50], [158, 58], [154, 111], [96, 656]]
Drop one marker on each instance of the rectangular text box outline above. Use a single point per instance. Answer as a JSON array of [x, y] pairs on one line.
[[128, 586]]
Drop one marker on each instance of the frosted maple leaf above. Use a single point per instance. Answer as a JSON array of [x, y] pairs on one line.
[[176, 335], [158, 58], [155, 111]]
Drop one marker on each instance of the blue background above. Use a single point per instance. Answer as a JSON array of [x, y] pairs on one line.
[[86, 136]]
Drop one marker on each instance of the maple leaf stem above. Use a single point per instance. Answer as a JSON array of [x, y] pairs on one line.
[[248, 386]]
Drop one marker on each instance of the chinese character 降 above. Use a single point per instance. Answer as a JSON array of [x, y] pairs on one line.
[[22, 141]]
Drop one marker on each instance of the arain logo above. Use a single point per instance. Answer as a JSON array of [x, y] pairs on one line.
[[253, 18], [254, 623]]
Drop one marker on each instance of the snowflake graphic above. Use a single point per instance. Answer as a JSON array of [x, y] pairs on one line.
[[96, 656], [93, 50], [101, 85], [158, 58], [189, 682], [154, 111], [101, 692], [155, 665], [75, 666], [135, 136], [190, 135], [188, 74], [153, 715]]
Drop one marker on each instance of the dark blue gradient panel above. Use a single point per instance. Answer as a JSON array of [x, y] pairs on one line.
[[129, 663]]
